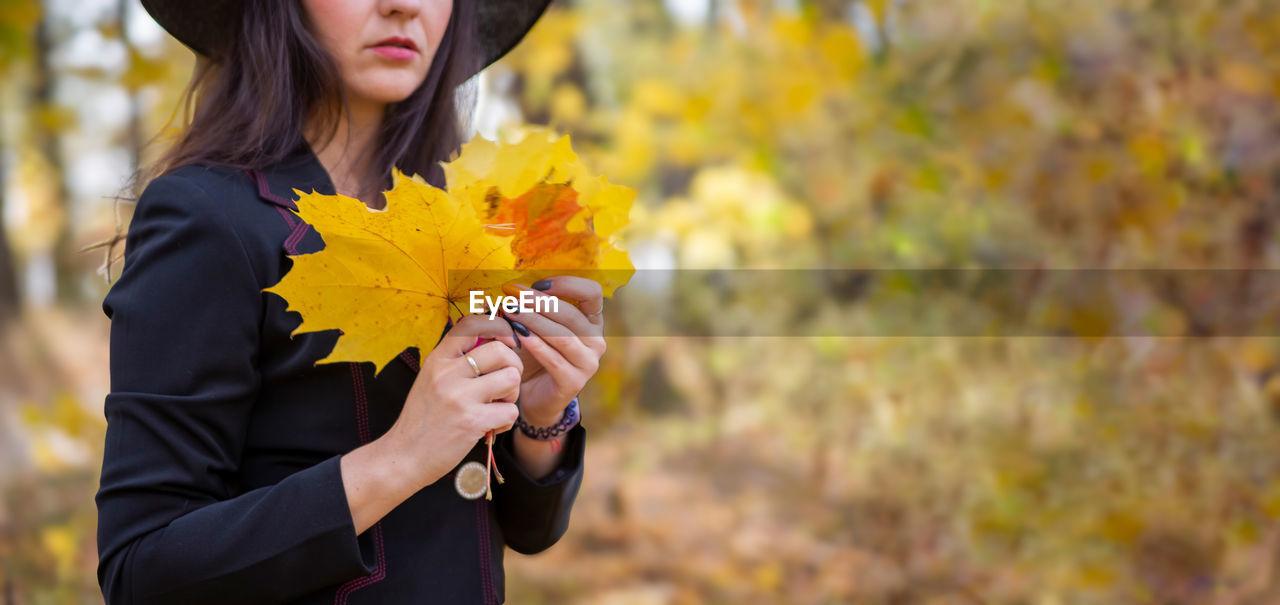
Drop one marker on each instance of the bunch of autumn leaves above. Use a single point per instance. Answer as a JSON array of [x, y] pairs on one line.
[[393, 278]]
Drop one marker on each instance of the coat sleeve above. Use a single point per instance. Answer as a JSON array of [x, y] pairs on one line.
[[172, 525], [534, 514]]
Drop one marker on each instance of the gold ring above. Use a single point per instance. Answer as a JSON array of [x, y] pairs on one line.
[[473, 364]]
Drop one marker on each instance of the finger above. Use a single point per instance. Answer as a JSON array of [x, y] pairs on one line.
[[531, 366], [584, 293], [490, 356], [567, 376], [499, 385], [563, 313], [569, 344], [498, 417], [470, 328]]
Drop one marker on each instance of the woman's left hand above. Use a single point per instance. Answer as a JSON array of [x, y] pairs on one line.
[[563, 348]]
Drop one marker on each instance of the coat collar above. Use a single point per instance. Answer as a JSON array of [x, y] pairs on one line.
[[300, 170]]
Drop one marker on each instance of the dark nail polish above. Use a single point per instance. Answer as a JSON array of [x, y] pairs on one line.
[[519, 327], [514, 334], [541, 284]]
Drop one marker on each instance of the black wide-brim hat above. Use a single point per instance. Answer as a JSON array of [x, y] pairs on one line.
[[203, 25]]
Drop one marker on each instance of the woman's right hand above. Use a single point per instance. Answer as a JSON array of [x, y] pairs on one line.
[[447, 411], [449, 408]]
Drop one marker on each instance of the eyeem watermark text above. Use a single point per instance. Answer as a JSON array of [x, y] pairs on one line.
[[527, 302]]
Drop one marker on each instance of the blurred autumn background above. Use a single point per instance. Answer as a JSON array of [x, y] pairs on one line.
[[786, 134]]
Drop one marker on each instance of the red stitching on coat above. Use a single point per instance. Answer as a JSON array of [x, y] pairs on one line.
[[297, 228], [362, 404], [291, 244], [362, 428], [288, 218], [407, 358], [260, 180], [379, 573], [296, 231], [486, 563]]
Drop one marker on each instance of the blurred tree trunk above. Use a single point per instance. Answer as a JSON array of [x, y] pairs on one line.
[[9, 300], [10, 596], [133, 134], [45, 140], [834, 10]]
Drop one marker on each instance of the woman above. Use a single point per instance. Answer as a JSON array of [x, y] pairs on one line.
[[236, 470]]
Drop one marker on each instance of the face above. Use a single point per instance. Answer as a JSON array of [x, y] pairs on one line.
[[383, 48]]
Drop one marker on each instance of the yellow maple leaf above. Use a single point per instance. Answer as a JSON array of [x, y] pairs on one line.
[[391, 278], [562, 219]]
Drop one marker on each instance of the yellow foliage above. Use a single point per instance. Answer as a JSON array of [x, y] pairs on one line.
[[391, 279], [1246, 79], [563, 219], [546, 51], [60, 433], [568, 104], [658, 97], [143, 71], [42, 217], [60, 542], [1148, 148], [733, 215], [843, 51]]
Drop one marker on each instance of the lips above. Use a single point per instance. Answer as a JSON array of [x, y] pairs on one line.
[[397, 42], [396, 48]]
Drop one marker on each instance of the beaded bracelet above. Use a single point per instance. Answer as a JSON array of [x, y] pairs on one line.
[[552, 433]]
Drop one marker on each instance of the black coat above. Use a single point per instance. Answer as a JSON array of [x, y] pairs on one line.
[[220, 481]]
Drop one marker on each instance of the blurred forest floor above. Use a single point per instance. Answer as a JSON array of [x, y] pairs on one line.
[[913, 491], [923, 492]]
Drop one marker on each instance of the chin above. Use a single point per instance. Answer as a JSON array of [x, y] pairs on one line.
[[390, 89]]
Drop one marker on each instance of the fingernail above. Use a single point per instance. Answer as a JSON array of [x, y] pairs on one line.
[[542, 284], [519, 327], [514, 335]]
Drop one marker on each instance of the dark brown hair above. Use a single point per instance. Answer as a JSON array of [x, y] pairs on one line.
[[246, 107]]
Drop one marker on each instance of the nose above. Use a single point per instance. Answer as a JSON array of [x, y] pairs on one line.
[[401, 8]]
